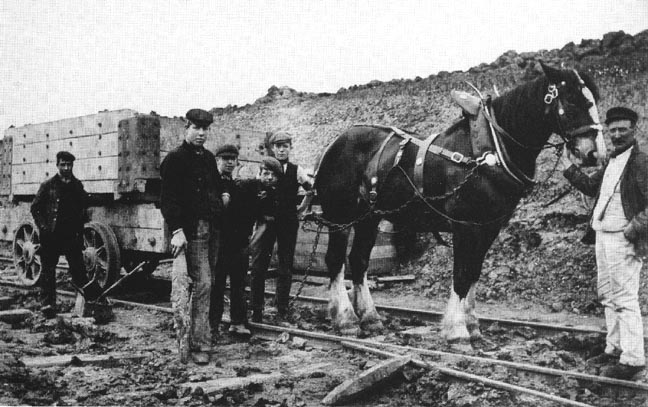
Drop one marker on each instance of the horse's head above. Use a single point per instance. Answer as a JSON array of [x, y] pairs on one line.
[[571, 99]]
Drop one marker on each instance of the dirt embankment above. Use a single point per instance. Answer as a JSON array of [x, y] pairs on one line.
[[538, 257]]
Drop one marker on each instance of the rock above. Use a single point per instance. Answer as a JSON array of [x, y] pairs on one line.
[[298, 343], [557, 306]]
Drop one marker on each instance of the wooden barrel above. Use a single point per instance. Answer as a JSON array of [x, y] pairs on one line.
[[383, 257]]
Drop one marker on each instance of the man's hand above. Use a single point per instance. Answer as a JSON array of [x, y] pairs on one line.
[[178, 243], [567, 158], [225, 198]]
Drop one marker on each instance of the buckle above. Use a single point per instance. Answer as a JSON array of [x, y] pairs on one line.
[[457, 157]]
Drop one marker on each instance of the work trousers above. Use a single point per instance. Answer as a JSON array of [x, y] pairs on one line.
[[284, 231], [232, 261], [52, 247], [202, 254], [618, 290]]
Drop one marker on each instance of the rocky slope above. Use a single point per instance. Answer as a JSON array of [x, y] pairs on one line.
[[538, 258]]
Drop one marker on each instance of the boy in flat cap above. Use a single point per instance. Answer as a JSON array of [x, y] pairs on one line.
[[59, 210], [191, 205], [232, 258], [285, 231], [262, 242], [620, 220]]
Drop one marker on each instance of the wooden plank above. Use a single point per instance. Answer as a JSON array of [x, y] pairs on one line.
[[397, 279], [221, 384], [14, 315], [85, 359], [11, 216], [85, 147], [472, 378], [101, 186], [86, 169], [352, 388], [117, 214], [100, 123], [145, 239]]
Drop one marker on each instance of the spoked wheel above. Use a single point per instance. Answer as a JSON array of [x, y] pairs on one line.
[[101, 253], [26, 253]]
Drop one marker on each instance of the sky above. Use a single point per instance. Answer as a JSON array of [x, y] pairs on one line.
[[69, 58]]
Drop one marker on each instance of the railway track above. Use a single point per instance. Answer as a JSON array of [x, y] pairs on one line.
[[451, 362], [426, 315]]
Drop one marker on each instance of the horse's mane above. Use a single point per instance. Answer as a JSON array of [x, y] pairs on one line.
[[519, 107]]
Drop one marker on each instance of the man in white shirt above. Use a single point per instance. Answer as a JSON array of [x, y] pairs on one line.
[[620, 220]]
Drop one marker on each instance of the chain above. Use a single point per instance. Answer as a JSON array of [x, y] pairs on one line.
[[336, 227], [311, 261]]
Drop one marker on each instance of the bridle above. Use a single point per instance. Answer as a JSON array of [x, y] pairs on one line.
[[569, 135]]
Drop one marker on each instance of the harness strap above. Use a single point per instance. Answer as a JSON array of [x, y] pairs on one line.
[[419, 164], [374, 164], [517, 174]]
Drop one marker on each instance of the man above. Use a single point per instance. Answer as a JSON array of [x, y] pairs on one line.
[[620, 220], [252, 201], [59, 210], [285, 230], [191, 206]]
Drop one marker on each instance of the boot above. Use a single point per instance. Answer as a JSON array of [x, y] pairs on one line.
[[621, 371], [257, 316]]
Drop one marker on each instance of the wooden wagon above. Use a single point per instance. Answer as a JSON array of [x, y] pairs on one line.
[[118, 155]]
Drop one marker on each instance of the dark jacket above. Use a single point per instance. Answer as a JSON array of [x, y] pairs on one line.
[[191, 188], [250, 201], [633, 186], [46, 207], [287, 188]]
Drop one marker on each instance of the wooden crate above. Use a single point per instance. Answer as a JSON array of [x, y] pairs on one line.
[[6, 148], [116, 152]]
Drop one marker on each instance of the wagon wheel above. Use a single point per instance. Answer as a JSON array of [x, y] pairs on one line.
[[101, 253], [26, 253]]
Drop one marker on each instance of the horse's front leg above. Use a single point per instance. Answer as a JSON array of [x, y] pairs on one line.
[[340, 309], [363, 242], [470, 245]]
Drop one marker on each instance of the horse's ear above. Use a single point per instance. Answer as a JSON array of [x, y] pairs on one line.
[[552, 74]]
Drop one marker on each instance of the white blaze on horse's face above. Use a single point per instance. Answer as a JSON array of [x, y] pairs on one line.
[[601, 149]]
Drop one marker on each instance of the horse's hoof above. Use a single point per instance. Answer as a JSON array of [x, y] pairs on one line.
[[475, 333], [349, 331], [373, 325], [456, 334], [461, 345]]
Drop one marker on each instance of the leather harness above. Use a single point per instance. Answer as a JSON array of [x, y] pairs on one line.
[[424, 146]]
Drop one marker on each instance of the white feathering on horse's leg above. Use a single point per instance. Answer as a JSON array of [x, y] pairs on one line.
[[454, 320], [472, 321], [365, 308], [340, 308]]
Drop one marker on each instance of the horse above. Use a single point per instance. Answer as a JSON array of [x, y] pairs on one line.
[[466, 180]]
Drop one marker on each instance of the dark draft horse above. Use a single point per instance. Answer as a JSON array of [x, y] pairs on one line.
[[370, 172]]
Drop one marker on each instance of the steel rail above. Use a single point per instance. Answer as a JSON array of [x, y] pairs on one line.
[[330, 339], [470, 377], [436, 316]]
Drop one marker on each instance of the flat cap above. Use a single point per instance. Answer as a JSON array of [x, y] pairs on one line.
[[200, 117], [621, 113], [272, 164], [281, 137], [227, 150]]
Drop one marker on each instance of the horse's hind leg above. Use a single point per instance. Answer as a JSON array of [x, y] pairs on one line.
[[343, 317], [363, 242]]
